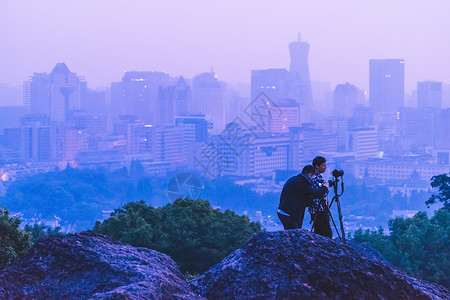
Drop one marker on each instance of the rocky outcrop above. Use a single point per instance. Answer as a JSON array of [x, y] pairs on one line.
[[86, 265], [292, 264], [295, 264]]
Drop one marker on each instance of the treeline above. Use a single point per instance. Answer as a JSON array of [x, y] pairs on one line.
[[75, 196], [418, 245]]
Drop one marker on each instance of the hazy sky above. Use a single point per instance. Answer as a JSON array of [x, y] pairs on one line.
[[99, 39]]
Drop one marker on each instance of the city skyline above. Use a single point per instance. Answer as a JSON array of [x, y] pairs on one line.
[[102, 41]]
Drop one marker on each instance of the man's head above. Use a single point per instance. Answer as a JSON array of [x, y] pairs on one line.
[[320, 164], [308, 171]]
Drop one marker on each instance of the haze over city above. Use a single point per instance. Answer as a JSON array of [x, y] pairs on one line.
[[197, 128], [102, 39]]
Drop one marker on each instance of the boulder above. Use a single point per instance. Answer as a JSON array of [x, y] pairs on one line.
[[297, 264], [87, 265]]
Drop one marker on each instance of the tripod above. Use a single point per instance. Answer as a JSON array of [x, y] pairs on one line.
[[326, 207]]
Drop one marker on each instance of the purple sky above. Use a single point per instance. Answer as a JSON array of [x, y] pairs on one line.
[[99, 39]]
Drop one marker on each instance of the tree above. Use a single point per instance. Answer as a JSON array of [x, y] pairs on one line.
[[38, 232], [190, 231], [442, 182], [417, 245], [13, 241]]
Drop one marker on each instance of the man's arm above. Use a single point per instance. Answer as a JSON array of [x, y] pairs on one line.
[[313, 192]]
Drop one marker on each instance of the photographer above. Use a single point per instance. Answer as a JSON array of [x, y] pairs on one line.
[[297, 194], [319, 213]]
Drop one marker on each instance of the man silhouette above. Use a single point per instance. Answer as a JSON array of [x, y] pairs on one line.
[[297, 194]]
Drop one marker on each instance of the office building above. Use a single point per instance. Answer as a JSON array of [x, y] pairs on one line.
[[162, 142], [361, 117], [419, 126], [208, 98], [174, 100], [398, 169], [363, 142], [429, 94], [138, 94], [56, 94], [386, 84], [288, 117], [266, 153], [344, 100]]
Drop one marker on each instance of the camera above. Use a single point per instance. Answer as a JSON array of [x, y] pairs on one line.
[[337, 173]]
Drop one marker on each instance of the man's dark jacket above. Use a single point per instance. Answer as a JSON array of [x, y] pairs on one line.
[[297, 194]]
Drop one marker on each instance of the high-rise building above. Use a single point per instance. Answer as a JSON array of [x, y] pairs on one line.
[[420, 126], [289, 116], [386, 84], [76, 140], [163, 143], [196, 127], [363, 142], [94, 103], [174, 100], [36, 142], [208, 97], [299, 69], [429, 94], [362, 117], [335, 130], [56, 94], [196, 136], [262, 156], [306, 142], [345, 99], [272, 82], [137, 94], [444, 142]]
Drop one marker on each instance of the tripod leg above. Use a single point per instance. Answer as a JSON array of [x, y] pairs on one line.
[[340, 220], [334, 224], [314, 221]]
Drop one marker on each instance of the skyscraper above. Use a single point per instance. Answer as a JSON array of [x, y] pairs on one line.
[[208, 97], [429, 94], [345, 99], [273, 82], [174, 100], [299, 69], [138, 95], [289, 116], [386, 84], [55, 94]]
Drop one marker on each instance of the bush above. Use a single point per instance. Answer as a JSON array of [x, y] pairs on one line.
[[190, 231], [13, 241]]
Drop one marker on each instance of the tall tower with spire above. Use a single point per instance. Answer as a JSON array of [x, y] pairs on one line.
[[299, 70]]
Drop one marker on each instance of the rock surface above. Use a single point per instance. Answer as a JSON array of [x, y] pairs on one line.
[[295, 264], [86, 265]]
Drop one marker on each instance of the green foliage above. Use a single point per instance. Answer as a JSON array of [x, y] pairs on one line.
[[442, 182], [417, 245], [13, 241], [190, 231], [76, 196], [38, 232]]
